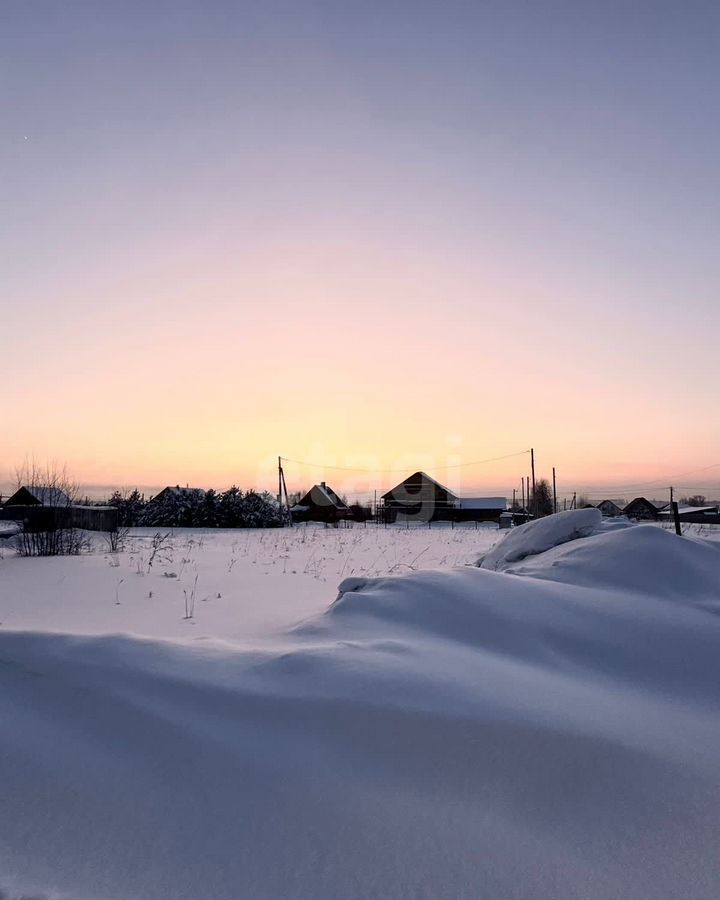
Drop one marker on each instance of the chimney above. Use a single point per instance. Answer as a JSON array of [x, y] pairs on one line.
[[322, 485]]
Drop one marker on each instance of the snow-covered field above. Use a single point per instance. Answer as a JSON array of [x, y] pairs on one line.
[[544, 726], [246, 583]]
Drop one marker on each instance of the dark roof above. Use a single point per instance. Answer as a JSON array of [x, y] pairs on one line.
[[40, 495], [643, 501], [418, 477], [184, 493], [320, 495]]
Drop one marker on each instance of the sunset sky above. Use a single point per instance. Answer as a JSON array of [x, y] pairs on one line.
[[366, 234]]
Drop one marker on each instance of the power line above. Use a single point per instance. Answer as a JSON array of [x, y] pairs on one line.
[[662, 481], [380, 469]]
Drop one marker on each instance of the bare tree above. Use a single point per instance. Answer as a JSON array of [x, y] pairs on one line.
[[160, 548], [695, 500], [48, 526]]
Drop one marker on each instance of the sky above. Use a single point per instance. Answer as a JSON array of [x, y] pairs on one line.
[[360, 234]]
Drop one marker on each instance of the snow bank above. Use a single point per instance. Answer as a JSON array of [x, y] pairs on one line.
[[540, 535], [9, 529], [438, 735], [643, 559]]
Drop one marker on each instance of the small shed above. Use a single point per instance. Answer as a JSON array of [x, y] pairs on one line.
[[320, 504], [479, 509]]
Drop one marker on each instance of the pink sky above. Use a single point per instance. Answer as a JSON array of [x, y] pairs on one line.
[[343, 239]]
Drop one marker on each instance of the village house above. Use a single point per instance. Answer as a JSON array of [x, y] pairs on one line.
[[643, 509], [42, 508], [609, 508], [320, 504], [421, 498], [698, 515]]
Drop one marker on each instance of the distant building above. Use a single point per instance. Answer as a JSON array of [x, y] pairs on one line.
[[50, 508], [699, 515], [610, 508], [320, 504], [643, 509], [421, 498], [178, 493]]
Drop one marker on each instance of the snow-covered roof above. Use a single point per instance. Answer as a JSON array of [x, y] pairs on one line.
[[481, 503], [332, 497], [178, 491], [689, 510], [319, 495], [47, 496]]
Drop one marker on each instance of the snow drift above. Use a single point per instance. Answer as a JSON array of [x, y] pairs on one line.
[[455, 734], [541, 535]]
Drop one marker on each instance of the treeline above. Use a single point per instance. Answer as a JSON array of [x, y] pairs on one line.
[[197, 509]]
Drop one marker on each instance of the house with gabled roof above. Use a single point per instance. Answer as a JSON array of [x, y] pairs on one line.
[[421, 498], [418, 497], [39, 495], [644, 509], [609, 508], [320, 504]]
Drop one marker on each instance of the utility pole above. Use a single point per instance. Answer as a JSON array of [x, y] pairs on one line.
[[554, 492], [513, 506], [532, 467], [279, 493], [527, 492], [287, 496], [522, 483]]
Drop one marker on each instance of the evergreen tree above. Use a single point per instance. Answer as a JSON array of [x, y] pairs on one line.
[[543, 500], [129, 506], [230, 508], [259, 511], [208, 512]]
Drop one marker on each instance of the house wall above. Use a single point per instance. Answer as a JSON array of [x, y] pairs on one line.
[[420, 499], [645, 511]]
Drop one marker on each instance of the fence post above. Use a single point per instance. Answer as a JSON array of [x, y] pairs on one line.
[[676, 517]]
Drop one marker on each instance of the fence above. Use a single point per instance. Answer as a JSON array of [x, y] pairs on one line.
[[37, 519]]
